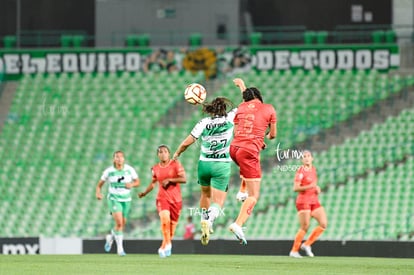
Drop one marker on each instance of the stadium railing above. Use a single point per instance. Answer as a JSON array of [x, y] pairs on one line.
[[270, 35]]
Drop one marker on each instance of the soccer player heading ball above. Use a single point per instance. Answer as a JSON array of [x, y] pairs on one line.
[[251, 122], [214, 165]]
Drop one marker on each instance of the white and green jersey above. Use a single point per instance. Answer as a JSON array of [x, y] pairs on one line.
[[117, 180], [216, 134]]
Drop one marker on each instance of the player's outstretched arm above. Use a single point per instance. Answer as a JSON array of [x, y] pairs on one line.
[[183, 146], [240, 83]]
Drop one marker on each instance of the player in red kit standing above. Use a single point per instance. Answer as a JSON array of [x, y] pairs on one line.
[[308, 206], [251, 122], [169, 174]]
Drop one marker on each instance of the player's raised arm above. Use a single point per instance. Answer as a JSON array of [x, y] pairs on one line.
[[240, 83]]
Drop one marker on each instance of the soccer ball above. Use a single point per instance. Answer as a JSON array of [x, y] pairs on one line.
[[195, 93]]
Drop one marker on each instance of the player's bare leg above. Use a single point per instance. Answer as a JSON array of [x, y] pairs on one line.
[[253, 188], [166, 232], [320, 215]]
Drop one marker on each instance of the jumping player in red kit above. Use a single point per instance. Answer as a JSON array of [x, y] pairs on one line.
[[251, 122]]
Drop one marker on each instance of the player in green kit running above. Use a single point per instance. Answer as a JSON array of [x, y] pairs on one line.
[[216, 133], [121, 178]]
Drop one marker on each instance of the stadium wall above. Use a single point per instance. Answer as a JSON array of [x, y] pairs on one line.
[[319, 14], [168, 22]]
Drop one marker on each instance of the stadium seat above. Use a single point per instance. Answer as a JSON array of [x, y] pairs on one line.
[[9, 41], [378, 36], [309, 37], [195, 40], [255, 38], [390, 36], [65, 150], [321, 37]]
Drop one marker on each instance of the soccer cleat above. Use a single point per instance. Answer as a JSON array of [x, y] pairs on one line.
[[109, 241], [242, 196], [161, 253], [167, 250], [205, 232], [238, 232], [307, 249], [122, 253], [295, 255]]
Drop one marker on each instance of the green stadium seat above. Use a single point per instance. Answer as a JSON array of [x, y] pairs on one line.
[[195, 40], [321, 37], [78, 41], [309, 37], [9, 41], [378, 37], [66, 41], [93, 129], [255, 38], [390, 36]]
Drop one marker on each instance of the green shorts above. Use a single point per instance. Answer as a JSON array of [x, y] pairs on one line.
[[119, 206], [215, 174]]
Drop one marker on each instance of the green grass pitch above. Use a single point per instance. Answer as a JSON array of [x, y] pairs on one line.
[[92, 264]]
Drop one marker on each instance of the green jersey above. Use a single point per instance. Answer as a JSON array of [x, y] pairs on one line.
[[117, 180], [216, 134]]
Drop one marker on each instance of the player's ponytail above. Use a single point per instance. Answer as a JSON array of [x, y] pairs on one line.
[[218, 107]]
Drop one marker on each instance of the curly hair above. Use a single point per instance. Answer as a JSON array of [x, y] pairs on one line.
[[252, 93], [218, 107]]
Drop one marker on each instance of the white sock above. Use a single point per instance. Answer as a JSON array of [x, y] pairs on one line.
[[119, 239], [204, 214], [213, 213]]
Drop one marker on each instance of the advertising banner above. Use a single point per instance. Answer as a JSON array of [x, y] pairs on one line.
[[213, 61]]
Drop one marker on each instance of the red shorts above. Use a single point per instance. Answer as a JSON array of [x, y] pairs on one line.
[[174, 208], [307, 206], [248, 161]]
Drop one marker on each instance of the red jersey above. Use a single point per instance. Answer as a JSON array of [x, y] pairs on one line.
[[173, 192], [252, 119], [306, 177]]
